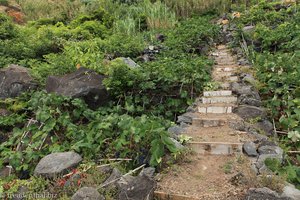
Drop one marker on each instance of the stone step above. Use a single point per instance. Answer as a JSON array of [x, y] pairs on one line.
[[223, 64], [226, 63], [225, 69], [223, 73], [221, 54], [209, 122], [215, 108], [222, 59], [216, 148], [213, 120], [222, 47], [158, 195], [221, 99], [221, 67], [217, 93], [226, 78]]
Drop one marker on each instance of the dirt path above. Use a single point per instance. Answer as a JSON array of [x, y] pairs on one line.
[[212, 171]]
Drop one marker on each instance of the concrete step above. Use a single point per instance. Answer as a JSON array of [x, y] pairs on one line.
[[217, 93], [220, 99], [226, 63], [226, 69], [223, 59], [223, 73], [213, 120], [215, 108], [222, 47], [226, 78], [221, 54], [158, 195], [209, 122], [234, 66], [216, 148]]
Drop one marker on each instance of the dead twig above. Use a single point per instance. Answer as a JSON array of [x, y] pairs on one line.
[[282, 132], [293, 152], [116, 159], [275, 132], [109, 164]]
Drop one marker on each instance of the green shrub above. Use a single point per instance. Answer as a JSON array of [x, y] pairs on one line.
[[7, 28], [121, 45], [274, 49], [62, 10], [104, 134], [192, 35], [158, 15], [188, 8], [290, 172]]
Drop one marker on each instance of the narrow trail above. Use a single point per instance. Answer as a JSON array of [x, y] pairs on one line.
[[209, 172]]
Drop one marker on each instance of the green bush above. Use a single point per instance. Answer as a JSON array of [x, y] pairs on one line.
[[64, 124], [7, 28], [121, 45], [192, 35], [274, 49], [290, 172]]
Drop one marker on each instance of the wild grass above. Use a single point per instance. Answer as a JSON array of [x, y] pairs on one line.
[[187, 8], [159, 15], [145, 15], [36, 9]]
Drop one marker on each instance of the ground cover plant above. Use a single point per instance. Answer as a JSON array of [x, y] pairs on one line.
[[273, 47], [94, 34]]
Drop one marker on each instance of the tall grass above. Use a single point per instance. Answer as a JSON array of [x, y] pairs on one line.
[[187, 8], [62, 9], [159, 15], [145, 15]]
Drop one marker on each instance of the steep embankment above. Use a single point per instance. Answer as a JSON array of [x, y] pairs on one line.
[[222, 129]]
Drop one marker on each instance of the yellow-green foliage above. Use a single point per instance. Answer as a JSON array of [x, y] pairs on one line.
[[36, 9], [159, 15], [186, 8]]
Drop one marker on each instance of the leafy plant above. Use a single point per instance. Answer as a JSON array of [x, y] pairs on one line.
[[291, 172], [274, 49], [55, 126]]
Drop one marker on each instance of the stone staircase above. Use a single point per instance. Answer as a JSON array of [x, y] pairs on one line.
[[212, 137]]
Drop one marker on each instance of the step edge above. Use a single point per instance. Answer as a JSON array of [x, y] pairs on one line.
[[220, 143], [170, 196]]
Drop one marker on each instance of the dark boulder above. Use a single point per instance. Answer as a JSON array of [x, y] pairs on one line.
[[266, 126], [111, 181], [245, 90], [87, 193], [83, 83], [249, 100], [15, 80], [176, 130], [186, 118], [250, 149], [250, 112], [263, 193], [140, 187]]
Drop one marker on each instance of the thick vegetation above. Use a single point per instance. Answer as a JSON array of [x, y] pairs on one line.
[[273, 47], [144, 99]]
